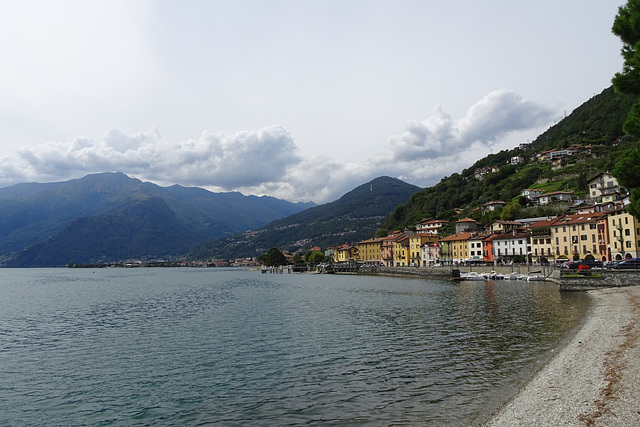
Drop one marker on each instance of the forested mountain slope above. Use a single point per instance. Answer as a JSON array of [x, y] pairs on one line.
[[597, 122]]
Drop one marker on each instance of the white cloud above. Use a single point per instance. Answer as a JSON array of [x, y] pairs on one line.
[[266, 161]]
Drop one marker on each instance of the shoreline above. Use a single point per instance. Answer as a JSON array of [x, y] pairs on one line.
[[593, 379]]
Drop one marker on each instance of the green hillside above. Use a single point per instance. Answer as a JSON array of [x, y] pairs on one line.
[[597, 122], [355, 216]]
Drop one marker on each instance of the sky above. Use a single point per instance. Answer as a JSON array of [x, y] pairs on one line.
[[300, 100]]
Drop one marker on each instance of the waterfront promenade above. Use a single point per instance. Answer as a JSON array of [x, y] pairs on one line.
[[594, 378]]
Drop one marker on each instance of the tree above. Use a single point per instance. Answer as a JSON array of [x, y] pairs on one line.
[[511, 211], [627, 26], [273, 257]]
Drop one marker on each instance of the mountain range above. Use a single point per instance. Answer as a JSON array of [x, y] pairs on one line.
[[355, 216], [110, 217]]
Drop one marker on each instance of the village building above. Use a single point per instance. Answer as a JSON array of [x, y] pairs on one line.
[[369, 251], [388, 248], [516, 160], [487, 248], [531, 193], [510, 247], [604, 184], [415, 244], [346, 252], [455, 248], [576, 236], [401, 251], [476, 247], [556, 196], [492, 206], [430, 225], [430, 254], [504, 226], [542, 250], [467, 225], [624, 235]]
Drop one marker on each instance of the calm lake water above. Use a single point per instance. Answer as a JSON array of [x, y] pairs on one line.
[[235, 347]]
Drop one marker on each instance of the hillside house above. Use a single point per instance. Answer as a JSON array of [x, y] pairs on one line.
[[467, 225], [430, 226], [554, 197], [531, 193], [504, 226], [516, 160], [492, 206], [602, 184]]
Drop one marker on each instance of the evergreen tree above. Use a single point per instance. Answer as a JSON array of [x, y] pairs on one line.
[[627, 26]]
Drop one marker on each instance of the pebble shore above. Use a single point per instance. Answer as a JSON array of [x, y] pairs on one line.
[[594, 380]]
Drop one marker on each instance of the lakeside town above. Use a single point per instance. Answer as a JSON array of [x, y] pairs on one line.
[[599, 228]]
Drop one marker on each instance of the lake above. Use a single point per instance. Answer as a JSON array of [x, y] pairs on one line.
[[147, 346]]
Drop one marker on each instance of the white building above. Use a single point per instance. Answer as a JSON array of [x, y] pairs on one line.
[[509, 245]]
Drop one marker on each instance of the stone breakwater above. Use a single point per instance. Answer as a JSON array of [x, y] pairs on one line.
[[594, 380]]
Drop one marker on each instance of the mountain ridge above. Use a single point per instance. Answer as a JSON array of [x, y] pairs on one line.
[[354, 216], [33, 213]]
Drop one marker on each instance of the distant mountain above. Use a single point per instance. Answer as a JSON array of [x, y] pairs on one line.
[[355, 216], [110, 217]]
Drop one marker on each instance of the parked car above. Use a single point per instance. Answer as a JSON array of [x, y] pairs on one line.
[[574, 265], [627, 264]]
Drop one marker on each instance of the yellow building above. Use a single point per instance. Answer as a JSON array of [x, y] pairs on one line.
[[370, 250], [455, 247], [576, 236], [542, 243], [345, 253], [415, 243], [401, 254], [624, 234]]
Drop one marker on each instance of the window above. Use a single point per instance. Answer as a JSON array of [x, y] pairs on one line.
[[627, 232], [573, 228], [595, 250], [593, 238], [626, 220], [535, 241], [549, 239], [519, 242], [582, 227], [564, 238], [566, 251], [574, 239], [592, 226], [557, 240], [583, 237], [584, 249], [628, 243]]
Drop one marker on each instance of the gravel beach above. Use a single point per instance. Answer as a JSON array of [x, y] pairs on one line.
[[594, 380]]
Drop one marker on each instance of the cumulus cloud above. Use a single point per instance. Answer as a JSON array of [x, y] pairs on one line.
[[486, 122], [265, 161], [243, 159]]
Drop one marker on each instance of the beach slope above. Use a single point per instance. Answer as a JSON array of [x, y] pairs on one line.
[[595, 379]]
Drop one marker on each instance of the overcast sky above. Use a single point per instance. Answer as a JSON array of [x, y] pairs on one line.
[[301, 100]]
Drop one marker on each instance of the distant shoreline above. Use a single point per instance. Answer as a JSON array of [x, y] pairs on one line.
[[594, 379]]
